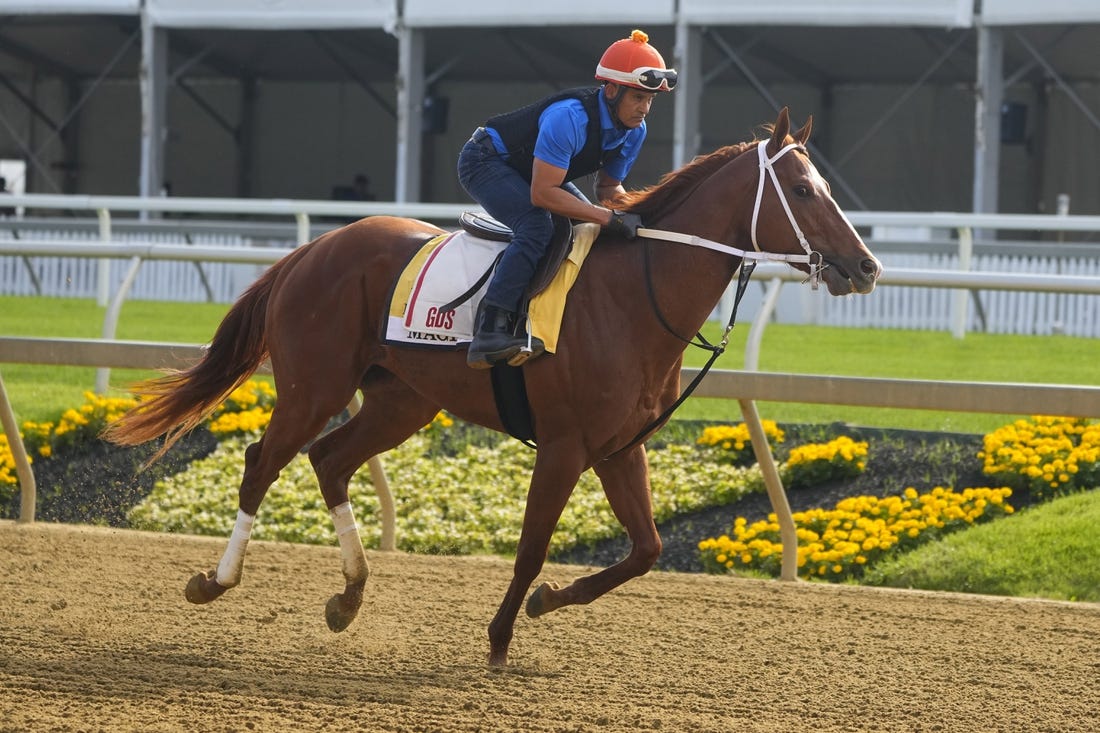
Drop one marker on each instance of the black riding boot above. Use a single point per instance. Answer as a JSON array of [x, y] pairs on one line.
[[495, 339]]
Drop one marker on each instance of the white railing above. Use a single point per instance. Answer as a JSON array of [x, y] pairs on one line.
[[774, 275], [281, 224], [303, 213]]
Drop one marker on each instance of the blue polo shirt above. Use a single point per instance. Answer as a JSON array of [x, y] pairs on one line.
[[563, 131]]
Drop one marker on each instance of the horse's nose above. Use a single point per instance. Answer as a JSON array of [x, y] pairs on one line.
[[870, 267]]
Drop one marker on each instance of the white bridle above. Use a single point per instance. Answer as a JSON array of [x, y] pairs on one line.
[[767, 170]]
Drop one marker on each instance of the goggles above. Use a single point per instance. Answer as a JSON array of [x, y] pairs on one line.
[[646, 77]]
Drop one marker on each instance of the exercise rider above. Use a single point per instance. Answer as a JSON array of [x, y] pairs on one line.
[[520, 165]]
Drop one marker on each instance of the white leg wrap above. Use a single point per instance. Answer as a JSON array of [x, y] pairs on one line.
[[352, 559], [232, 562]]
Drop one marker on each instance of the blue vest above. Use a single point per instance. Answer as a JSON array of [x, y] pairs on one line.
[[519, 131]]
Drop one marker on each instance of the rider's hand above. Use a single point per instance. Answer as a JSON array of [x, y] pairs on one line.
[[624, 223]]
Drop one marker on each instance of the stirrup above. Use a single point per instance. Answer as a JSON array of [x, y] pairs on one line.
[[521, 357], [527, 351]]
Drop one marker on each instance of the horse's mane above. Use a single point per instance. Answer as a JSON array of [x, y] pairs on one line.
[[653, 201]]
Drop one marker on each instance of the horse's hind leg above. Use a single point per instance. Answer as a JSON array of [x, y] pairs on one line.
[[625, 479], [297, 417], [390, 413]]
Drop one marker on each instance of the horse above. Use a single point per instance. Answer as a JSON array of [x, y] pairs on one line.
[[316, 315]]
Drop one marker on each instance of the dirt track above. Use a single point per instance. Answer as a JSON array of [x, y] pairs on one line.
[[95, 635]]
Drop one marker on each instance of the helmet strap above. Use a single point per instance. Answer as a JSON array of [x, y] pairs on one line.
[[613, 105]]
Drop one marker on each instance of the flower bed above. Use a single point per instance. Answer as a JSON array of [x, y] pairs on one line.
[[1046, 456], [839, 543], [469, 502], [470, 486]]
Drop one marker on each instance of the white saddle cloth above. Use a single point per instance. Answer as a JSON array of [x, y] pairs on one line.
[[449, 265]]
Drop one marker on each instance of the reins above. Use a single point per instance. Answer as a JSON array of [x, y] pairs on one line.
[[811, 258], [744, 273]]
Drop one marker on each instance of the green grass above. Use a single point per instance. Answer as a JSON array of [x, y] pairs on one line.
[[41, 392], [899, 354], [1046, 551]]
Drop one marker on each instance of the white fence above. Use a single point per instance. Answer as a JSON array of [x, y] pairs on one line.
[[901, 307], [79, 277], [1032, 313], [283, 224]]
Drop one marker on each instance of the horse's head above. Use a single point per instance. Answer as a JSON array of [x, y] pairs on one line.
[[794, 200]]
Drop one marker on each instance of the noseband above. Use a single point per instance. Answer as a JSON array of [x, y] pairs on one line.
[[816, 261]]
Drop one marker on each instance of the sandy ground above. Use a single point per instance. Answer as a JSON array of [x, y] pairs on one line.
[[95, 635]]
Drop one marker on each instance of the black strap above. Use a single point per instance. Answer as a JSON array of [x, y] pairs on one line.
[[473, 288], [702, 342], [716, 350], [510, 393]]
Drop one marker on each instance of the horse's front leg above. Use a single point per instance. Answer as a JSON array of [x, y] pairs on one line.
[[625, 479], [552, 481]]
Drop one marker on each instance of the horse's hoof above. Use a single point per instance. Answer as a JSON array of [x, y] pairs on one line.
[[540, 601], [342, 608], [498, 659], [202, 588]]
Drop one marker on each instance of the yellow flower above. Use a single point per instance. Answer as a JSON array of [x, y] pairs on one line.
[[858, 530]]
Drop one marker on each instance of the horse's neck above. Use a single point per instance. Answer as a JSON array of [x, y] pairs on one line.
[[688, 281], [720, 208]]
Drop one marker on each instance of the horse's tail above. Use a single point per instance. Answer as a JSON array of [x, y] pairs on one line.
[[176, 403]]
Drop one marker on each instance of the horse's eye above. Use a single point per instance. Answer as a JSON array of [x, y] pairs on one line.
[[802, 191]]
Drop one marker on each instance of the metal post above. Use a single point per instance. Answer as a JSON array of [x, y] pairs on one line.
[[154, 81], [103, 271], [688, 98], [110, 320], [988, 97], [303, 227], [410, 105], [19, 453], [756, 331], [388, 541], [960, 298], [788, 534]]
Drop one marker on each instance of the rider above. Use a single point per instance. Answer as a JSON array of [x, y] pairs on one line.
[[520, 165]]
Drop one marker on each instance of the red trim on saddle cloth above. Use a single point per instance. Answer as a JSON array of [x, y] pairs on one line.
[[423, 274]]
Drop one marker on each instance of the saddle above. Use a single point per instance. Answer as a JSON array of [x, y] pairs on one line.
[[424, 311], [433, 300], [561, 242]]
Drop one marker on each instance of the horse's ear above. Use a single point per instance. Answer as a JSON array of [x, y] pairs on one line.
[[780, 131], [803, 134]]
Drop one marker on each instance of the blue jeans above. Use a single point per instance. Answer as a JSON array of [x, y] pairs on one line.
[[506, 196]]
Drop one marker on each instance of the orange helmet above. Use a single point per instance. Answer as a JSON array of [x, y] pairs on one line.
[[634, 63]]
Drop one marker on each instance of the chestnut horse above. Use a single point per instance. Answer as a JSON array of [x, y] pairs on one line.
[[317, 315]]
